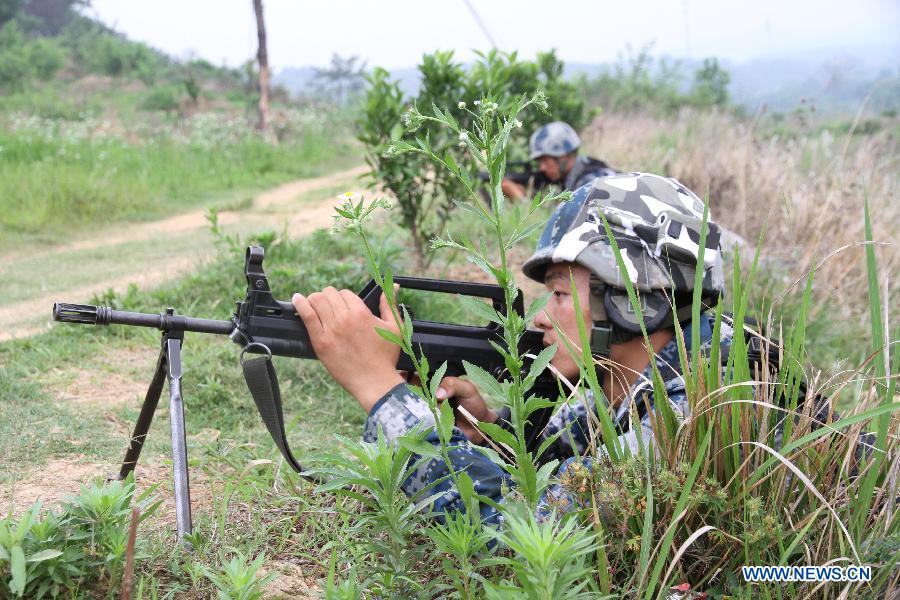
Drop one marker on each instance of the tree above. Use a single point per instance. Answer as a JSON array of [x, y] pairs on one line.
[[340, 80], [53, 15], [262, 58], [9, 9], [711, 84]]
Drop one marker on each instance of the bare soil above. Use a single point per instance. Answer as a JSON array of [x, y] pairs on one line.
[[292, 582], [101, 388], [65, 477]]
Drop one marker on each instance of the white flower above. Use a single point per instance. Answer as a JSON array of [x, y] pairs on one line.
[[463, 136], [349, 196], [517, 123], [460, 105], [477, 102]]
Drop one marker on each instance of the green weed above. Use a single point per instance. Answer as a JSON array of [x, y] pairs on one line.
[[238, 579], [75, 548]]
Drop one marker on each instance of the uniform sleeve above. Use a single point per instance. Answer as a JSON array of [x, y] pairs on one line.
[[399, 412], [590, 175]]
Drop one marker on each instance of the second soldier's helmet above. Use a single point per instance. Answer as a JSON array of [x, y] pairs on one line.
[[554, 139], [656, 223]]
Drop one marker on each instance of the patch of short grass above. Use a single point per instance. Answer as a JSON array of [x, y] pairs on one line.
[[59, 176]]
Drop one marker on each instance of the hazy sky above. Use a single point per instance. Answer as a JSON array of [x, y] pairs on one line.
[[395, 33]]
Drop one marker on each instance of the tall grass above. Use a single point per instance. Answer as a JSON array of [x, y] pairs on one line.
[[803, 184]]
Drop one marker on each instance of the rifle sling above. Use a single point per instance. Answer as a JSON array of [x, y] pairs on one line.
[[263, 385]]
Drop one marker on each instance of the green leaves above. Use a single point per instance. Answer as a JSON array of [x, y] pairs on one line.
[[549, 559], [17, 569], [484, 381], [537, 367], [480, 309], [238, 579], [470, 119], [82, 541]]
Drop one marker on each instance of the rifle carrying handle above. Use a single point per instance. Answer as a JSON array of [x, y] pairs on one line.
[[371, 293]]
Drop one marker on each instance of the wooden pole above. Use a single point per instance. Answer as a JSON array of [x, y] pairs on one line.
[[128, 577], [262, 57]]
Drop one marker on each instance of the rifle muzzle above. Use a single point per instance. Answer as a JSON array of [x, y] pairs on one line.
[[81, 313]]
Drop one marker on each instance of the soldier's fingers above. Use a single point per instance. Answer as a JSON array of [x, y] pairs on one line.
[[338, 304], [308, 315], [323, 308], [454, 386], [353, 302]]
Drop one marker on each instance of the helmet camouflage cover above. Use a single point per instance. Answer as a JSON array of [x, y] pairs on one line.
[[656, 222], [554, 139]]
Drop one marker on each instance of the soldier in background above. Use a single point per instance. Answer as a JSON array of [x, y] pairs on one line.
[[555, 148]]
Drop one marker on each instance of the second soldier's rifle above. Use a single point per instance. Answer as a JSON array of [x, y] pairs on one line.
[[523, 173], [264, 325]]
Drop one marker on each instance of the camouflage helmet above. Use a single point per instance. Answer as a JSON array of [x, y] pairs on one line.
[[554, 139], [656, 223]]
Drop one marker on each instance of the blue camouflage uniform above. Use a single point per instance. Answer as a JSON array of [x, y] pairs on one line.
[[585, 170], [400, 411]]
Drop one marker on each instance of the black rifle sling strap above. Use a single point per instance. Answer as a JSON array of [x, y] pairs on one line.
[[263, 384]]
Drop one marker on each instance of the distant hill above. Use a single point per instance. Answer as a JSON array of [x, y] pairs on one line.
[[57, 62], [832, 80]]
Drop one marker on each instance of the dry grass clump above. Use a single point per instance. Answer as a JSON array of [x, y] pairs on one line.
[[806, 186]]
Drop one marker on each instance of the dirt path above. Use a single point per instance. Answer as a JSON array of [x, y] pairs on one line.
[[274, 208]]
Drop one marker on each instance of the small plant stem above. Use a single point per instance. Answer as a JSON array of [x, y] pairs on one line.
[[128, 576]]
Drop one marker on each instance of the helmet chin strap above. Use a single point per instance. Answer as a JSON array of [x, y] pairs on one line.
[[604, 330], [563, 172], [601, 338], [604, 334]]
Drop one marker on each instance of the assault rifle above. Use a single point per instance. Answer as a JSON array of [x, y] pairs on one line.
[[264, 325], [523, 173]]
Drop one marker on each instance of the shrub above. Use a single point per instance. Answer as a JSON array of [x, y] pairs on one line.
[[15, 68], [163, 97], [46, 57], [638, 81], [425, 195]]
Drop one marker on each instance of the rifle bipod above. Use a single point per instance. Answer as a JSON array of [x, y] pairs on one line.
[[168, 366]]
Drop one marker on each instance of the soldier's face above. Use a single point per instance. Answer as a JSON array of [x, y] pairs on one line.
[[549, 167], [560, 311]]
